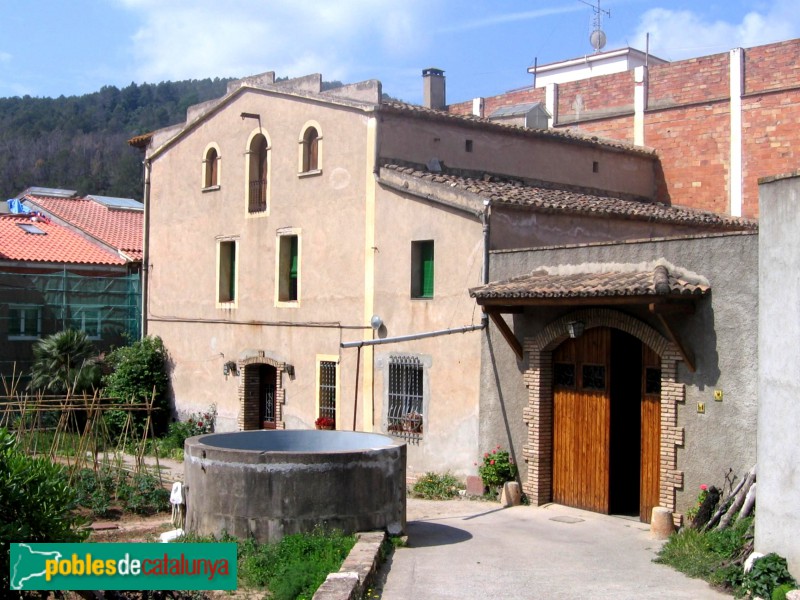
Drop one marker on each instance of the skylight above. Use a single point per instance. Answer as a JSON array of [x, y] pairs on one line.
[[28, 228]]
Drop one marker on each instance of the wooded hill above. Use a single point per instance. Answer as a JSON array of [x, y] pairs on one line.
[[80, 142]]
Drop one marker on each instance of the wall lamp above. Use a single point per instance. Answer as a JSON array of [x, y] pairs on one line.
[[247, 115], [230, 367], [575, 328]]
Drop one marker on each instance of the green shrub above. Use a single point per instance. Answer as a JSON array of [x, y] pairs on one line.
[[497, 468], [97, 490], [768, 573], [36, 502], [143, 494], [139, 369], [179, 431], [434, 486], [779, 593], [64, 362], [296, 566]]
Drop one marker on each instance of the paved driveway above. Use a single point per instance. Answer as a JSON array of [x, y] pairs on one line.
[[472, 549]]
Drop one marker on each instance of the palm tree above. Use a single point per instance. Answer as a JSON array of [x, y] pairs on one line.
[[64, 362]]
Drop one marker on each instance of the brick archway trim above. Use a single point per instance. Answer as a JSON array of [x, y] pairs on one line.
[[248, 411], [538, 415]]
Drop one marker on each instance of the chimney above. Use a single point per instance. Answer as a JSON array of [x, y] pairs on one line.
[[433, 88]]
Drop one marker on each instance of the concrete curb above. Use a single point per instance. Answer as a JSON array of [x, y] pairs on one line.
[[356, 571]]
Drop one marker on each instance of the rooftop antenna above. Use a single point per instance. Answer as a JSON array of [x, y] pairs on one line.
[[598, 37]]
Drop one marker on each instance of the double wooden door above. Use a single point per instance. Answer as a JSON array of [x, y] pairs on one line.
[[606, 423]]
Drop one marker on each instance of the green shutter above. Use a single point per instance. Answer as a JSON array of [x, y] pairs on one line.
[[426, 271], [232, 277], [293, 269]]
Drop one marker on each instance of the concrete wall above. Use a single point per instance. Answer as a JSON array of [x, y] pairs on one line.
[[777, 521], [505, 152], [721, 334]]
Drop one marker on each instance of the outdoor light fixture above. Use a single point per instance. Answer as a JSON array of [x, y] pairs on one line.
[[229, 367], [376, 322], [575, 328]]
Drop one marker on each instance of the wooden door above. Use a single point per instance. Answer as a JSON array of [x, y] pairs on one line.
[[650, 434], [581, 421]]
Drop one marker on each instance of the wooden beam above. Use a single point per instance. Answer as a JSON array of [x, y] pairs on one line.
[[672, 308], [688, 358], [509, 336]]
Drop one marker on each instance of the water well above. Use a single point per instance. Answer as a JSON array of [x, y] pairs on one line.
[[268, 484]]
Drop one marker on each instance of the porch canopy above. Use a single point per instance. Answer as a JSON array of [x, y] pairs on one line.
[[656, 288]]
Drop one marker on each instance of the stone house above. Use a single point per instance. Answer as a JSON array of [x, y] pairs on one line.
[[309, 254]]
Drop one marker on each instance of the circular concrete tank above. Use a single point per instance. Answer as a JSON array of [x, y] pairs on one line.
[[267, 484]]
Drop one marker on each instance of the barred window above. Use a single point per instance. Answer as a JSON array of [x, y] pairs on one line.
[[405, 410], [327, 390]]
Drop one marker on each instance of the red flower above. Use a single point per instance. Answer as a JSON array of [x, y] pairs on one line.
[[199, 423], [491, 462], [486, 455], [704, 487]]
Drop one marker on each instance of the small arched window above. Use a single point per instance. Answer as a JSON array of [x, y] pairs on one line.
[[259, 164], [211, 164], [310, 150]]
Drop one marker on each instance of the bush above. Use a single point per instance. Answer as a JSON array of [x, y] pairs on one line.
[[768, 573], [179, 431], [36, 503], [64, 362], [497, 468], [434, 486], [96, 491], [143, 494], [138, 370], [296, 566]]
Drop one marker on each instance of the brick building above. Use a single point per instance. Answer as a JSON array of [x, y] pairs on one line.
[[717, 122]]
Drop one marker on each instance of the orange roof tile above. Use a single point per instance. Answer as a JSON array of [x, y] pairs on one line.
[[120, 229], [57, 245]]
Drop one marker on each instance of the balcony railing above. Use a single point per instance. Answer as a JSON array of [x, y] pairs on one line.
[[257, 200]]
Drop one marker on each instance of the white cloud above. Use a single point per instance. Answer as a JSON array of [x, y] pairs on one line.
[[206, 38], [678, 34], [5, 57]]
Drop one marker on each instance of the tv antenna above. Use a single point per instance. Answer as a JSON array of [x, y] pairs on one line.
[[598, 37]]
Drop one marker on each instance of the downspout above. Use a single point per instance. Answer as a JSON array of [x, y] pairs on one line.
[[487, 205], [146, 245], [413, 336]]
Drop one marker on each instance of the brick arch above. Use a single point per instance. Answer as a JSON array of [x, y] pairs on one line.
[[538, 415], [248, 379]]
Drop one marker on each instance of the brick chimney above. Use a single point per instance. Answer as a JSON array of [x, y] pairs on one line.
[[433, 88]]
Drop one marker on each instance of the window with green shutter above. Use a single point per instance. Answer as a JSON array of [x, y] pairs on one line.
[[422, 269], [288, 268]]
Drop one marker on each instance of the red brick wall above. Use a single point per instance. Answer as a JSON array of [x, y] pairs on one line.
[[595, 97], [694, 148], [771, 141], [494, 102], [772, 67], [684, 82], [688, 120]]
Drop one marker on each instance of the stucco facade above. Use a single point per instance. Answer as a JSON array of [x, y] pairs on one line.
[[779, 328]]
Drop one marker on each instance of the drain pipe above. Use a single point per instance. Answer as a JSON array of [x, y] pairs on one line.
[[413, 336], [145, 247], [487, 205]]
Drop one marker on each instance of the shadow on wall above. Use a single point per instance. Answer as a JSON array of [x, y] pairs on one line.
[[699, 335]]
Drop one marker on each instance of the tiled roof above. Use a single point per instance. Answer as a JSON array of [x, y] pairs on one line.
[[57, 244], [550, 199], [120, 229], [544, 284], [414, 110]]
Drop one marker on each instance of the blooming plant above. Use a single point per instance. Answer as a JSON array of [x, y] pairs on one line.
[[497, 468], [325, 423], [701, 497]]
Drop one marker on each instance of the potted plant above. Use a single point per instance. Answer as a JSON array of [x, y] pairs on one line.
[[325, 423]]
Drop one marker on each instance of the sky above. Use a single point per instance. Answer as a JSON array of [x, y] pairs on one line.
[[50, 48]]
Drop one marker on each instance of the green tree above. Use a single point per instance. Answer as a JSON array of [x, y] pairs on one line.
[[139, 371], [36, 502], [64, 362]]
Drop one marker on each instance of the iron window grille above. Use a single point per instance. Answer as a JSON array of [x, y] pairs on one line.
[[327, 390], [405, 411]]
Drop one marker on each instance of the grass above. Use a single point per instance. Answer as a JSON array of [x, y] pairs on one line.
[[292, 568], [711, 556]]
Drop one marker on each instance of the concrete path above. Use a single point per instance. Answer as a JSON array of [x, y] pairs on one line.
[[472, 549]]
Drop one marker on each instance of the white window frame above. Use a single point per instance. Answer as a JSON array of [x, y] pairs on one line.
[[248, 166], [216, 186], [334, 358], [301, 172], [21, 335], [233, 302], [281, 274], [81, 312]]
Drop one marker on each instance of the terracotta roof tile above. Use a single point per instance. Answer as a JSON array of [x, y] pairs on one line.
[[544, 284], [513, 192], [120, 229], [58, 244]]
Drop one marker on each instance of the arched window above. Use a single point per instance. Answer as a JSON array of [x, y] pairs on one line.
[[310, 150], [211, 166], [259, 164]]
